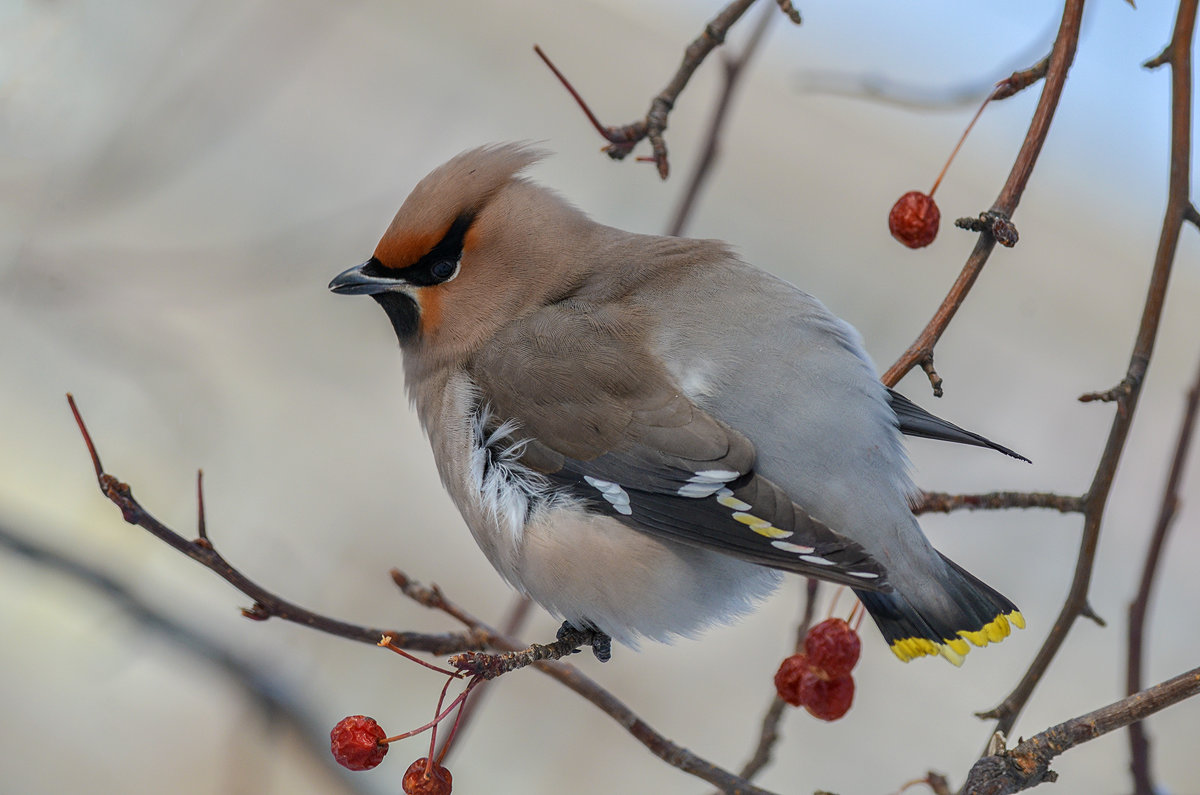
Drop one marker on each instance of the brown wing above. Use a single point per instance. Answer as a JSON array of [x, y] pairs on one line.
[[605, 422]]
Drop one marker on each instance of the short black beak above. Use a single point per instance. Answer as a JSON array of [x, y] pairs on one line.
[[355, 281]]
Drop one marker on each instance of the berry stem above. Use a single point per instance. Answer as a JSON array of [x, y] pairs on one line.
[[837, 596], [856, 615], [961, 140], [438, 711], [386, 642], [440, 717], [462, 703]]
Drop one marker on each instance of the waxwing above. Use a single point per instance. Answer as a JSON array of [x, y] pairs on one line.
[[642, 432]]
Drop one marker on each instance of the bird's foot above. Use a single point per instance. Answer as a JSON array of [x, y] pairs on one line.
[[600, 642]]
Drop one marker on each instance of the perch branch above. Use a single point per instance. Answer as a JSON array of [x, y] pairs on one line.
[[478, 635]]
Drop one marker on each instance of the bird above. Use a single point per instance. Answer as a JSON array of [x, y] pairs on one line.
[[642, 433]]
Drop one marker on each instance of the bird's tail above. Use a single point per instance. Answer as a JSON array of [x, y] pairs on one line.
[[942, 620]]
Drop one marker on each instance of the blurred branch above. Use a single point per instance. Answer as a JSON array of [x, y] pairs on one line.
[[883, 88], [734, 69], [623, 138], [768, 734], [1139, 744], [269, 695], [941, 502], [1028, 764], [479, 635], [1061, 57], [1179, 55]]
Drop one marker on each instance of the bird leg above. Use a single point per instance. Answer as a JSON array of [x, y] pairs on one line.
[[600, 642], [570, 640]]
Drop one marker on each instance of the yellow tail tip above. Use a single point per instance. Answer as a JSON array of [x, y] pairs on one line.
[[954, 650]]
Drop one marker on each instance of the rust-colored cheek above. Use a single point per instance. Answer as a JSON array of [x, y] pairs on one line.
[[430, 301]]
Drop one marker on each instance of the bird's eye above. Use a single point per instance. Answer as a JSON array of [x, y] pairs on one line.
[[444, 269]]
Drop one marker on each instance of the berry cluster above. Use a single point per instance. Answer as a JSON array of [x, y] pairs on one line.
[[818, 678], [359, 743]]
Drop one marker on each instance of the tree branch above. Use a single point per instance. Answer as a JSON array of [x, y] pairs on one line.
[[1061, 57], [1178, 54], [941, 502], [478, 636], [623, 138], [1028, 764]]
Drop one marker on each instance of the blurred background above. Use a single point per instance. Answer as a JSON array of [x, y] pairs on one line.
[[180, 182]]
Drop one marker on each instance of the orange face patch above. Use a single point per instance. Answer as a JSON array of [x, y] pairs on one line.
[[429, 299]]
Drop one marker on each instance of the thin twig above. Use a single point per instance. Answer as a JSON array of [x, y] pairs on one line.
[[478, 636], [1180, 59], [1028, 764], [942, 502], [201, 527], [789, 11], [1061, 57], [623, 138], [735, 68], [1139, 745], [266, 604]]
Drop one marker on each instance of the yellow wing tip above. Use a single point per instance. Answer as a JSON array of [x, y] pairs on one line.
[[955, 650]]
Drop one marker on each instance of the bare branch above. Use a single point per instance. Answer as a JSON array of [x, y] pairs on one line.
[[1179, 55], [623, 138], [1028, 764], [479, 635], [1061, 57], [266, 604], [942, 502]]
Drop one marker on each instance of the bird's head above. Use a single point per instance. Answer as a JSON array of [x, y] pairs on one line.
[[473, 246]]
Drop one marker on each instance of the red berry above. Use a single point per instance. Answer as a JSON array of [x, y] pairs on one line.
[[827, 699], [355, 742], [833, 647], [787, 678], [424, 777], [914, 219]]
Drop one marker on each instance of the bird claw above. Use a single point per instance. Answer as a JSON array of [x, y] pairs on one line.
[[600, 642]]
